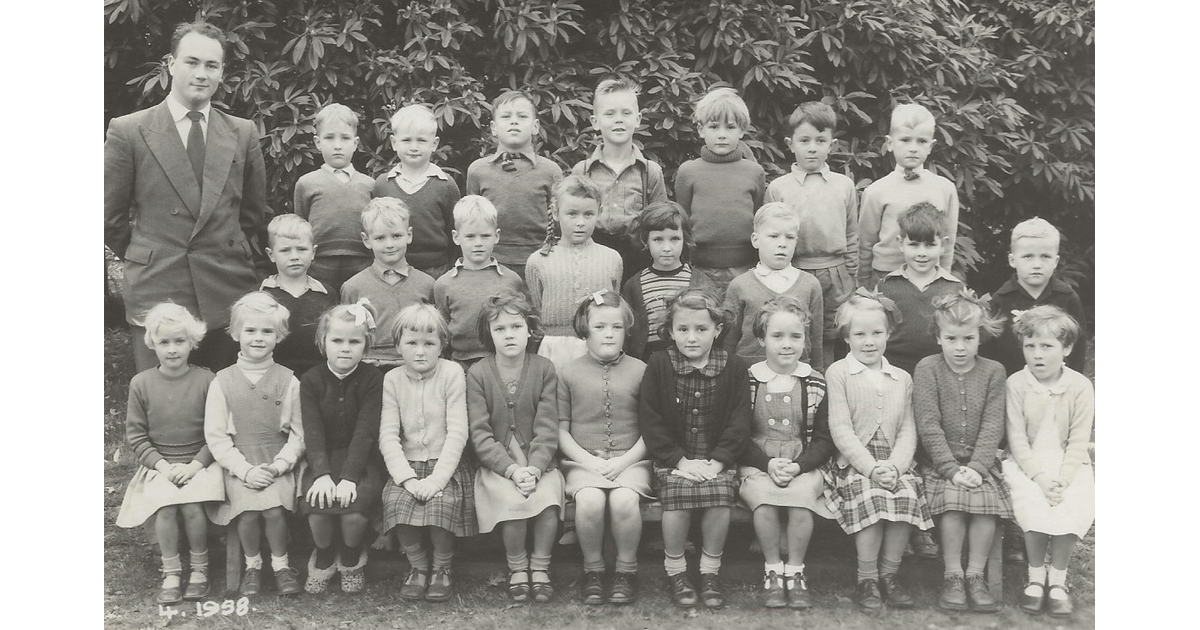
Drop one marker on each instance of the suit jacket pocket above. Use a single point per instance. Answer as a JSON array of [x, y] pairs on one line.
[[139, 253]]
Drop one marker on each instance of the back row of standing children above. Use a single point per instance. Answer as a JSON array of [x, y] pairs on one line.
[[524, 229]]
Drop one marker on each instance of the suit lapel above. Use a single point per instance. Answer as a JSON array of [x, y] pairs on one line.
[[162, 137], [219, 149]]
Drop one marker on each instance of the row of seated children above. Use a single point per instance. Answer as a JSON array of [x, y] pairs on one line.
[[707, 429]]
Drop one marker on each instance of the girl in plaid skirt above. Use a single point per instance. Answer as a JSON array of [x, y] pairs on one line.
[[694, 414], [422, 433], [875, 495], [339, 408], [958, 402]]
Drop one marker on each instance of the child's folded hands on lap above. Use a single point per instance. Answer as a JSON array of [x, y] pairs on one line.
[[259, 477], [345, 493], [321, 493], [694, 469], [779, 469]]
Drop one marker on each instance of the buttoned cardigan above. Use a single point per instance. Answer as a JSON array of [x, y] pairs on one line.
[[1070, 404], [532, 416], [424, 417], [960, 417], [858, 408], [340, 413]]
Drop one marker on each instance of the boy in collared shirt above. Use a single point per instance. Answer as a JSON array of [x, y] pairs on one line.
[[516, 180], [459, 294], [628, 181], [1033, 255], [306, 298], [424, 187], [922, 240], [389, 283], [332, 197], [828, 207], [910, 141]]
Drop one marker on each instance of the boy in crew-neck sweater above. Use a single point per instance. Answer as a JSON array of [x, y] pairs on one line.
[[332, 198], [720, 190]]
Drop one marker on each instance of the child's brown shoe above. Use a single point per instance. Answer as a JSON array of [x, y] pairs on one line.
[[773, 594], [171, 592], [440, 588], [894, 593], [979, 595], [798, 597], [683, 594], [251, 582], [288, 581], [197, 587]]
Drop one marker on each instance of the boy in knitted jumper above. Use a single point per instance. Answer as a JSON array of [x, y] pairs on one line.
[[776, 230], [306, 298], [425, 188], [459, 294], [332, 197], [910, 141], [827, 203], [516, 179], [913, 287], [720, 190]]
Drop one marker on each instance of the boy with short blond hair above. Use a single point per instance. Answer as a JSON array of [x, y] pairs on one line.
[[390, 283], [516, 180], [827, 204], [627, 180], [776, 231], [721, 189], [459, 294], [923, 239], [910, 141], [424, 187], [1033, 255], [332, 197], [306, 298]]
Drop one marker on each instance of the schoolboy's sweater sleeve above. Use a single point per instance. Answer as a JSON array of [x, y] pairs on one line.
[[1079, 432], [390, 430], [760, 187], [473, 179], [991, 425], [455, 392], [733, 437], [449, 200], [735, 306], [870, 220], [314, 423], [491, 453], [290, 421], [137, 427], [683, 187], [947, 260], [906, 437], [652, 421], [1018, 438], [366, 426], [821, 448], [852, 232], [841, 425], [1077, 360], [216, 433], [301, 200], [927, 411], [544, 445]]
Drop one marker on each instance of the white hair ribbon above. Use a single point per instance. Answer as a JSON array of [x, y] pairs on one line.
[[361, 314], [598, 298]]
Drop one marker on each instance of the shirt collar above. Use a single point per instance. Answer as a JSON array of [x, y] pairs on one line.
[[597, 156], [764, 374], [341, 377], [311, 283], [600, 363], [431, 170], [942, 273], [921, 171], [763, 271], [179, 111], [801, 174], [854, 366], [717, 358], [1058, 388], [492, 262], [1056, 285], [349, 169], [403, 268], [501, 151]]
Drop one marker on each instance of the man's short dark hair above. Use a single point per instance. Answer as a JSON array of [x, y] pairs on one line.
[[203, 28]]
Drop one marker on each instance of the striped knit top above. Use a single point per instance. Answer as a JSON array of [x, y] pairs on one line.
[[560, 280]]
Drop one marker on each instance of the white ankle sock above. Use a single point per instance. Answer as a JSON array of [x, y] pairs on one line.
[[1057, 577], [776, 567], [792, 569], [279, 563], [254, 562], [1037, 577]]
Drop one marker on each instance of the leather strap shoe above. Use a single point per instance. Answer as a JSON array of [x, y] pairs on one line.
[[1059, 607], [1032, 604]]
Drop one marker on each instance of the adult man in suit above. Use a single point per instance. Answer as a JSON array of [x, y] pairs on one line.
[[185, 199]]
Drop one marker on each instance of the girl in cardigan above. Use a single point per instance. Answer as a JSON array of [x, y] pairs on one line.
[[1051, 409], [875, 495], [694, 414], [511, 406], [421, 435], [569, 267], [164, 427], [252, 425], [665, 231], [789, 442], [958, 402], [603, 454], [339, 405]]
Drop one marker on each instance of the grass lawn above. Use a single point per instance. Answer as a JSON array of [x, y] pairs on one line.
[[131, 578]]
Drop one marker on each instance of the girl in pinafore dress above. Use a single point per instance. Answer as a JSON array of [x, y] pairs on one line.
[[569, 267], [694, 413], [422, 435], [958, 402], [513, 415], [339, 404], [875, 495], [164, 427], [252, 425], [1051, 409], [780, 471], [603, 453]]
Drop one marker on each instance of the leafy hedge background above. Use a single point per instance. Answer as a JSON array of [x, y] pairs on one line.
[[1012, 83]]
